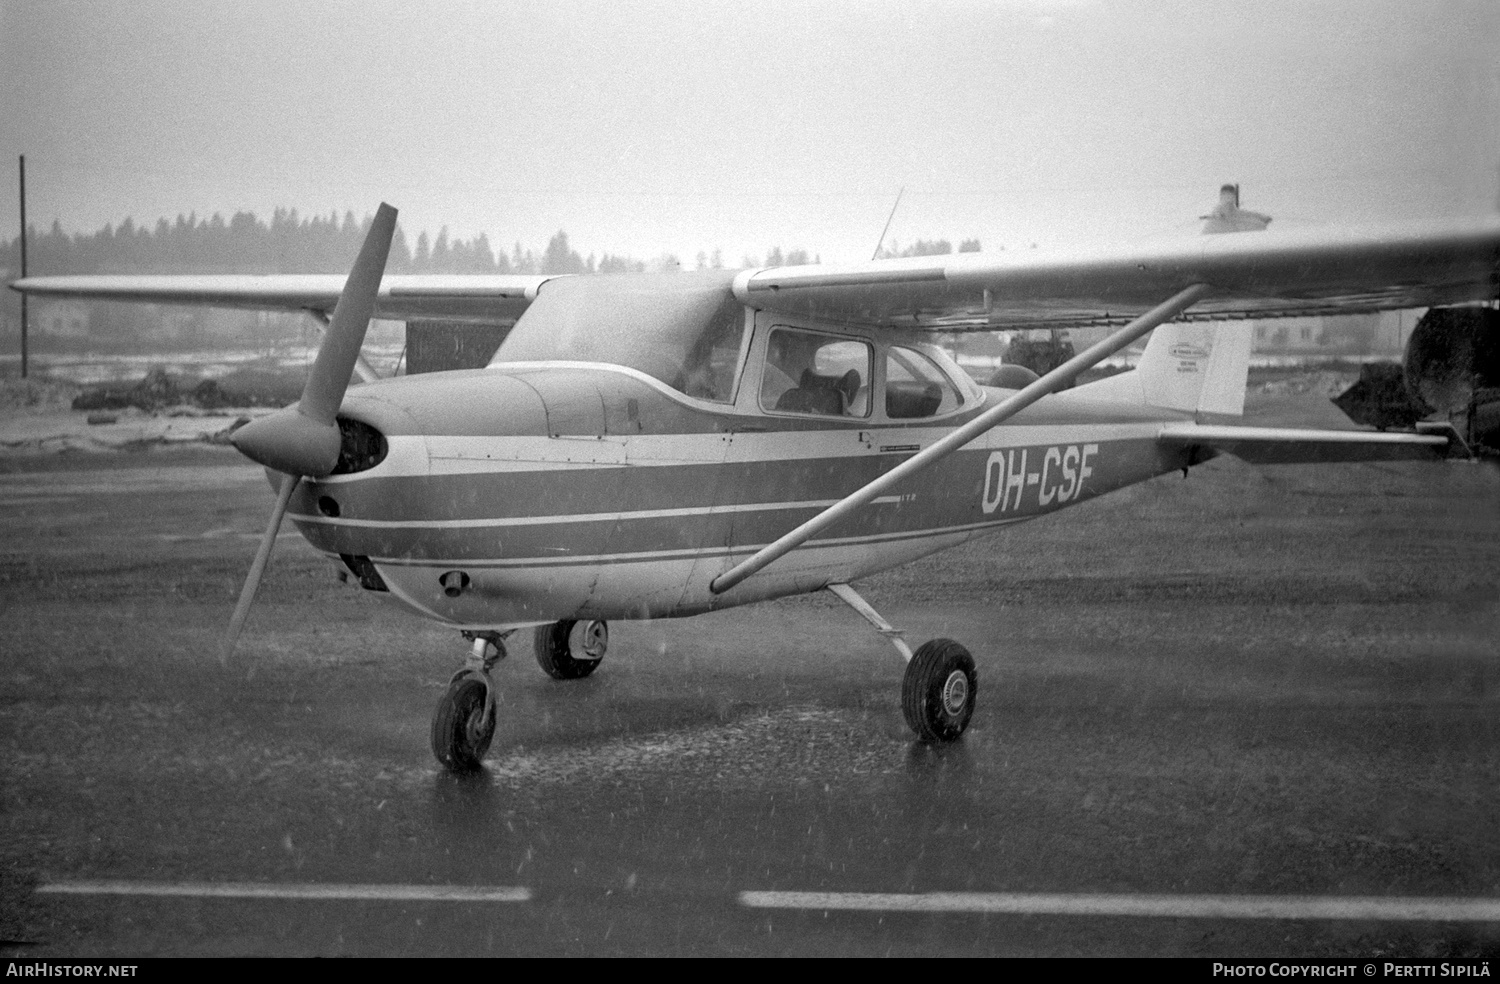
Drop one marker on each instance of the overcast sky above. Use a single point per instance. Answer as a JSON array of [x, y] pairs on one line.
[[641, 128]]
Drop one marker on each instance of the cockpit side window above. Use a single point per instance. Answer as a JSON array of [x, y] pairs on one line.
[[711, 366], [915, 386], [809, 372]]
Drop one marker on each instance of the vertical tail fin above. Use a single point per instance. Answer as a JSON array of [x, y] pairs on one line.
[[1194, 367], [1227, 216], [1199, 368]]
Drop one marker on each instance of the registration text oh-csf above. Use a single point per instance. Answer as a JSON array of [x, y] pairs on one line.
[[1040, 477]]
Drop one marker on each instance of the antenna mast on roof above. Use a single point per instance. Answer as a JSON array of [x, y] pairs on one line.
[[23, 265], [887, 228]]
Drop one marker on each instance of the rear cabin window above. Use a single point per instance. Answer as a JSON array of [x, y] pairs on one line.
[[808, 372], [915, 386]]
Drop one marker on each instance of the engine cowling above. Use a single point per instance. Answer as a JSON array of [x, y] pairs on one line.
[[1450, 371]]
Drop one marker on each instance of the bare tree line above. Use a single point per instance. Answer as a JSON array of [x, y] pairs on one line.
[[294, 243]]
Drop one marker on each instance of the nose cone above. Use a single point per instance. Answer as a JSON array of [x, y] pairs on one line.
[[291, 443]]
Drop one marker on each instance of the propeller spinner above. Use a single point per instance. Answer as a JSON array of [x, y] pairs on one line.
[[303, 440]]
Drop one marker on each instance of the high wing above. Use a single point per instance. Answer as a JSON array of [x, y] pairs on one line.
[[478, 299], [1271, 273]]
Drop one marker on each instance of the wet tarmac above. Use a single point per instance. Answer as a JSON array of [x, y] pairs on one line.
[[1251, 685]]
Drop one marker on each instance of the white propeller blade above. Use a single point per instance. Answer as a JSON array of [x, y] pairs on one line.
[[303, 440], [257, 568]]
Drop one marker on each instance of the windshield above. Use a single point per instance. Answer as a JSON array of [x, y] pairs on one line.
[[685, 329]]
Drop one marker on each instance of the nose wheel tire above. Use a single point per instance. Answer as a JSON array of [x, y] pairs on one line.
[[461, 729], [938, 690], [570, 650]]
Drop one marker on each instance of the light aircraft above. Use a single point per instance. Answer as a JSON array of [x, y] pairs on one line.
[[662, 445]]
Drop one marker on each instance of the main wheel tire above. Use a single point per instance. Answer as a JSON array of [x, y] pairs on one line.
[[570, 650], [938, 690], [461, 730]]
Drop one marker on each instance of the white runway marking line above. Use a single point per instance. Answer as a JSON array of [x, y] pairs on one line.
[[260, 890], [1410, 909]]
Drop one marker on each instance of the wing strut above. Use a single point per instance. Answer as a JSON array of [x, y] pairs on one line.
[[1005, 409]]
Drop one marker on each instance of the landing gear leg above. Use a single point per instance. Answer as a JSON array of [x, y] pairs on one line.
[[464, 723], [939, 688]]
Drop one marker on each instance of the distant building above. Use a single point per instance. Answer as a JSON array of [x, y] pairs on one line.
[[62, 319], [1331, 336], [166, 325]]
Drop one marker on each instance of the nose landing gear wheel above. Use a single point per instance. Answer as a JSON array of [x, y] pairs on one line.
[[461, 729], [938, 690], [570, 650]]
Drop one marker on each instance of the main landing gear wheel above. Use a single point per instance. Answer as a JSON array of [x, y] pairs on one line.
[[462, 727], [938, 690], [570, 650]]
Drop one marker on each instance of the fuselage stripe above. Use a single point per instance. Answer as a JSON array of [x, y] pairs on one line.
[[460, 524], [693, 554]]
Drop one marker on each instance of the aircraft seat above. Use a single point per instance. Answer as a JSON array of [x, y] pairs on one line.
[[827, 395], [908, 399]]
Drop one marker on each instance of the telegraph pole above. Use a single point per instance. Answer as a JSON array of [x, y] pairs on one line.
[[23, 265]]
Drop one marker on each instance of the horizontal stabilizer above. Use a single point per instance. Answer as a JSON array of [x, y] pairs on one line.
[[1292, 446]]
